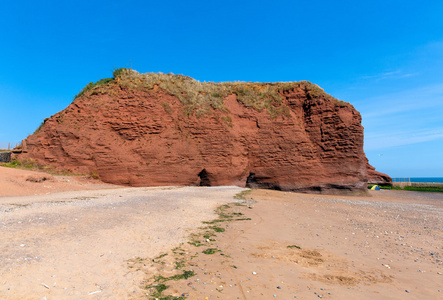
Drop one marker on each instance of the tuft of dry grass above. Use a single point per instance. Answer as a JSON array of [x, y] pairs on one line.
[[201, 98]]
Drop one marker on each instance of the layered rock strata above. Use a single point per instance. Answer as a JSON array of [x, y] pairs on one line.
[[142, 131]]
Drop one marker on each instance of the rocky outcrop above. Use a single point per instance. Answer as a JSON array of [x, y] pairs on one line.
[[375, 177], [5, 157], [152, 129]]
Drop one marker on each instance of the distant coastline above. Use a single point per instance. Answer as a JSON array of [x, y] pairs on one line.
[[419, 184], [418, 179]]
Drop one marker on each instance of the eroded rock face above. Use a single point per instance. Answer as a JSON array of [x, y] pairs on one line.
[[375, 177], [143, 137]]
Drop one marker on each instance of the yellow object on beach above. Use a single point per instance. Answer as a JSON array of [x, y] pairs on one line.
[[375, 188]]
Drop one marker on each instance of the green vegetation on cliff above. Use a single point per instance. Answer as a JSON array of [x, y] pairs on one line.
[[201, 97]]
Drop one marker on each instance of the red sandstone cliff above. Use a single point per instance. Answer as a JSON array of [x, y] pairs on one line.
[[375, 177], [153, 129]]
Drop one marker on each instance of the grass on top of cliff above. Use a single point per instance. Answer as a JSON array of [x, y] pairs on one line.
[[200, 97]]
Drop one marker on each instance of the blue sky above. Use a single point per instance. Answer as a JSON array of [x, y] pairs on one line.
[[384, 57]]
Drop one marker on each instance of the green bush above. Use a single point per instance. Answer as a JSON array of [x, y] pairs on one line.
[[119, 72], [90, 86]]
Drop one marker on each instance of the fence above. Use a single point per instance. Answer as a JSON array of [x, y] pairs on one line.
[[406, 179], [8, 145], [401, 182]]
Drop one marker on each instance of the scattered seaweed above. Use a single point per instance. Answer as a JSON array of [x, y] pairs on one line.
[[294, 246], [210, 251], [180, 262]]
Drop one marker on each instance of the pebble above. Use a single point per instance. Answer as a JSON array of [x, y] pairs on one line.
[[407, 291], [254, 273]]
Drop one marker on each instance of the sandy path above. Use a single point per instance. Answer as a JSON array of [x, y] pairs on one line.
[[16, 182], [67, 245], [383, 247], [99, 244]]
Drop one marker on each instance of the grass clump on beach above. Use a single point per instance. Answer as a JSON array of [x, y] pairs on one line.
[[242, 195], [217, 229], [178, 264], [224, 216], [184, 275], [158, 285], [159, 289], [160, 256], [210, 251], [294, 246]]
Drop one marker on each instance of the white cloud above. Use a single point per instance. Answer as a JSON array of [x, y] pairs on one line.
[[408, 117], [391, 139], [428, 98], [398, 74]]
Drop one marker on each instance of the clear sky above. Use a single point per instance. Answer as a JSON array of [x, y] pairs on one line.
[[384, 57]]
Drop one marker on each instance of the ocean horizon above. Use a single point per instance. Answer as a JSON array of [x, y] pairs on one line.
[[418, 179]]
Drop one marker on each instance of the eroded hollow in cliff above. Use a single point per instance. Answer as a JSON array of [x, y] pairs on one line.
[[250, 181], [260, 183], [204, 178]]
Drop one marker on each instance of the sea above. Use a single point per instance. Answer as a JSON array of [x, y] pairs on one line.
[[418, 179]]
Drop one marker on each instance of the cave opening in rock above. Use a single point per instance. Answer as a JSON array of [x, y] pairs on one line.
[[204, 178], [261, 182], [251, 181]]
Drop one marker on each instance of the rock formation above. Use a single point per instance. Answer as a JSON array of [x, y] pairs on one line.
[[375, 177], [157, 129]]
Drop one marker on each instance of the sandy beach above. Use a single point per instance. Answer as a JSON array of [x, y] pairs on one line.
[[387, 246], [114, 243]]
